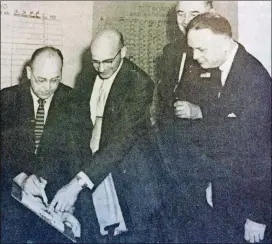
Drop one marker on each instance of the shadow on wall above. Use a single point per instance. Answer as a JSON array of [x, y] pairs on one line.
[[172, 29], [23, 77], [173, 33], [82, 79]]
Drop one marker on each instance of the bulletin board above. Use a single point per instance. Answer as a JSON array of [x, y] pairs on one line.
[[28, 25], [147, 26]]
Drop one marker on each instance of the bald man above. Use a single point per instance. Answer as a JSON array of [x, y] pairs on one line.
[[36, 130], [118, 95]]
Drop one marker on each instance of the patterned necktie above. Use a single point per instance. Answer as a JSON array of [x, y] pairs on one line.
[[39, 123]]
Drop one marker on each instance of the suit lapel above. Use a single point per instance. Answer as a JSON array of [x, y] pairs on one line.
[[234, 74], [26, 117], [119, 87]]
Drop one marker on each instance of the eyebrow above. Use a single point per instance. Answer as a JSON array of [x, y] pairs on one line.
[[109, 59], [192, 12], [42, 78]]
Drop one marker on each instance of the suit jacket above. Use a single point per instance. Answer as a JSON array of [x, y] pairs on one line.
[[169, 67], [174, 133], [56, 155], [236, 134], [124, 148]]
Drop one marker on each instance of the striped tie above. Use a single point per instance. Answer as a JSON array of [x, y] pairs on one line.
[[39, 123]]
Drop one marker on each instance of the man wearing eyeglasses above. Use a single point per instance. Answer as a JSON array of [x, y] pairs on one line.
[[120, 172], [36, 126]]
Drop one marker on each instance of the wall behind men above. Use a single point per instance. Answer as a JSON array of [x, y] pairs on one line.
[[255, 29], [28, 25], [148, 26]]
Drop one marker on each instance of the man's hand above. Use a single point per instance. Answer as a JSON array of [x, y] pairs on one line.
[[35, 186], [254, 232], [66, 197], [187, 110]]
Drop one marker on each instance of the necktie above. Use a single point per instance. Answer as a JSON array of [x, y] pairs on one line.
[[96, 134], [216, 84], [39, 123]]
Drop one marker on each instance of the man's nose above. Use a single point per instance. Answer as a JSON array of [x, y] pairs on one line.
[[47, 85], [101, 67], [187, 20]]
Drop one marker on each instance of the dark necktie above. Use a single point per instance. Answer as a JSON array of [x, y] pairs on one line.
[[39, 123], [216, 84]]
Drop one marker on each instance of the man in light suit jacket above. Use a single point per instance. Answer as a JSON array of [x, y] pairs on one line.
[[49, 156], [236, 130], [119, 95]]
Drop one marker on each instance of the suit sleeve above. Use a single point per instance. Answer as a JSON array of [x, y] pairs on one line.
[[164, 88], [133, 125], [10, 165]]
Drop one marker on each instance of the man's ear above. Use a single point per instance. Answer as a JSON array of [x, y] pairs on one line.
[[28, 72], [123, 51]]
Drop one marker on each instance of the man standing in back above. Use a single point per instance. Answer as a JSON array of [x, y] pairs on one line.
[[186, 170]]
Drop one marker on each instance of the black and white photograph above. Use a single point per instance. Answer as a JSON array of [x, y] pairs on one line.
[[136, 122]]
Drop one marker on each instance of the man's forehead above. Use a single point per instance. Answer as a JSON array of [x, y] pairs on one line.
[[204, 38], [192, 6], [47, 64], [103, 51], [47, 58], [200, 37]]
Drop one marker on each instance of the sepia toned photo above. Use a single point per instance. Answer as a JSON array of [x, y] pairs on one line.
[[136, 122]]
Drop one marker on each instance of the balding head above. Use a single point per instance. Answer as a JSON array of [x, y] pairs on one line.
[[45, 71], [107, 50]]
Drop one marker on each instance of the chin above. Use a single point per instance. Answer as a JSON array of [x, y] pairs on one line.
[[106, 76], [42, 96]]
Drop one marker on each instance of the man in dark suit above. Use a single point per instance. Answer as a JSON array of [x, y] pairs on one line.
[[236, 130], [119, 95], [36, 130], [177, 61], [176, 135]]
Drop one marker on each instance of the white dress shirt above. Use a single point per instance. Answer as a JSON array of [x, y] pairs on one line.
[[226, 66]]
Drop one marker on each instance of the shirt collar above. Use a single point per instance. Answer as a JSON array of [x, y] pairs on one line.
[[225, 67], [35, 98]]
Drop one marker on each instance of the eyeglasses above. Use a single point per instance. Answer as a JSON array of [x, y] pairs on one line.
[[106, 62], [42, 80]]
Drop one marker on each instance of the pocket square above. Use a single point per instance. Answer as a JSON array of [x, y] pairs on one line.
[[205, 75], [232, 115]]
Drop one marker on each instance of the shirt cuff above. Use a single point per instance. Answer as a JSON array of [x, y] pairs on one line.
[[86, 179]]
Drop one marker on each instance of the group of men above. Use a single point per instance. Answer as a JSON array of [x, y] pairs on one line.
[[201, 174]]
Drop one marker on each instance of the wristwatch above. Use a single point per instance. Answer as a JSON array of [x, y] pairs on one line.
[[81, 182]]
